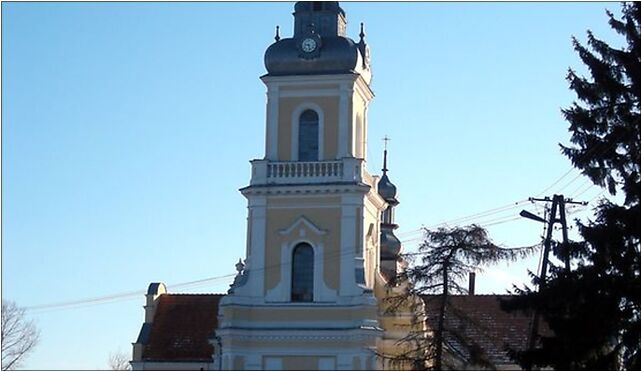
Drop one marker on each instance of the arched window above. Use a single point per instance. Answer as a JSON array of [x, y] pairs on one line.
[[302, 273], [309, 136]]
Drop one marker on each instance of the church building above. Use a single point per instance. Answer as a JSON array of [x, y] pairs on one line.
[[321, 251]]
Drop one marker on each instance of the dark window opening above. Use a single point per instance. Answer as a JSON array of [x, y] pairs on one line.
[[309, 136], [316, 6], [302, 273]]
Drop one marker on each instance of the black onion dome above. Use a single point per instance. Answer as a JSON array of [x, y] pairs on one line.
[[387, 189], [390, 244], [338, 54]]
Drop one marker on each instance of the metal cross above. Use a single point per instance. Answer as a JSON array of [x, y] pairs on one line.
[[385, 142]]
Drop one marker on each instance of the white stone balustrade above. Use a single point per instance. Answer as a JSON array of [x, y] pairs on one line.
[[310, 172]]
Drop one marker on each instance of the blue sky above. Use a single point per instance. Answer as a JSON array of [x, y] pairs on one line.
[[127, 129]]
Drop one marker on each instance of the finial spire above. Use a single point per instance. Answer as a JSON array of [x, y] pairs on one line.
[[239, 266], [277, 37], [361, 34], [385, 153]]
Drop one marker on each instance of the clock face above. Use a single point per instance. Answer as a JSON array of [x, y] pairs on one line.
[[308, 45]]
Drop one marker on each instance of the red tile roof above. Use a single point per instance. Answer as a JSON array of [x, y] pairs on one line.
[[480, 320], [183, 322], [181, 327]]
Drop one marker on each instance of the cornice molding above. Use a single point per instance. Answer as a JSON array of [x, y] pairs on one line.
[[362, 87], [306, 189]]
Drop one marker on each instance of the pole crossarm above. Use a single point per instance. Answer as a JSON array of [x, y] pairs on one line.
[[566, 201]]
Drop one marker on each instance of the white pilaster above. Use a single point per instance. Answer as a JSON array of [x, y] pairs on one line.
[[348, 285], [256, 260], [345, 94], [364, 124], [272, 132]]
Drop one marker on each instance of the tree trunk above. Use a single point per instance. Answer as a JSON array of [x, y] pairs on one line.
[[439, 332]]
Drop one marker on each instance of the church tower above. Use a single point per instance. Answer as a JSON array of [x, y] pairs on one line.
[[304, 297]]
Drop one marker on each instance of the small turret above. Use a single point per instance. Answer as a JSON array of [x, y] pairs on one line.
[[387, 189], [390, 246]]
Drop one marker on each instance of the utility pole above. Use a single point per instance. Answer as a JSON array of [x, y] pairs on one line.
[[559, 205]]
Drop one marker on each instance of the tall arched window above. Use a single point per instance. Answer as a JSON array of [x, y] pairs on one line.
[[302, 273], [309, 136]]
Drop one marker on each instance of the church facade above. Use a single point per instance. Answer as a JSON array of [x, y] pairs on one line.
[[321, 253]]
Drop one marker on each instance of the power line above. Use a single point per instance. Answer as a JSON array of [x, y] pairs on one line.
[[574, 192], [487, 213], [81, 306], [589, 151], [129, 295], [584, 191], [501, 222], [509, 248], [118, 296], [482, 214], [596, 196], [498, 220], [493, 222], [569, 183], [556, 182]]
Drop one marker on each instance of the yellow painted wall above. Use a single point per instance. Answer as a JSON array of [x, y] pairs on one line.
[[356, 363], [316, 345], [303, 201], [300, 363], [356, 118], [270, 314], [330, 107], [325, 218], [239, 363], [397, 325], [308, 87]]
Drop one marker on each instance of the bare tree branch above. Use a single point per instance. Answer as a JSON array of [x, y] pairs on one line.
[[119, 361], [19, 335]]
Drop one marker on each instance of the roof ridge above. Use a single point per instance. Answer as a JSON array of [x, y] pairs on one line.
[[193, 294]]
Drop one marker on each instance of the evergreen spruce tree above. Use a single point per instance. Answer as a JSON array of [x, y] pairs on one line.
[[593, 311], [445, 259]]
